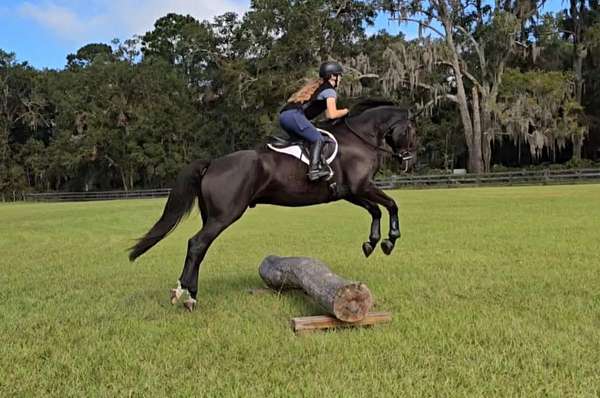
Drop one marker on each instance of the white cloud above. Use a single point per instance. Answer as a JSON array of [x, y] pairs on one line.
[[105, 19], [141, 19], [60, 20]]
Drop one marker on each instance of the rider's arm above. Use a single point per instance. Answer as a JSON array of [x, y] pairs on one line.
[[332, 112]]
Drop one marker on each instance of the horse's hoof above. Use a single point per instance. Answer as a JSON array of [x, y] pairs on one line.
[[189, 304], [367, 248], [175, 295], [387, 246]]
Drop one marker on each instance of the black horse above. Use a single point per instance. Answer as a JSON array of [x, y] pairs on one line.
[[227, 186]]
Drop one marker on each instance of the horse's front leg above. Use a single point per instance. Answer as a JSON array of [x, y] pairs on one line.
[[376, 195], [375, 213]]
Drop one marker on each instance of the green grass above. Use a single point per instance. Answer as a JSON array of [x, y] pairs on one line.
[[494, 292]]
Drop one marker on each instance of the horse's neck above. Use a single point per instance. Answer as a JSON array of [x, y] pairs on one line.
[[366, 125]]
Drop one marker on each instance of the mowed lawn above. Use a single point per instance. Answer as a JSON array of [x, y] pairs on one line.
[[494, 292]]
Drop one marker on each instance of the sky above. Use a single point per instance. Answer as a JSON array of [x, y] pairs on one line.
[[44, 32]]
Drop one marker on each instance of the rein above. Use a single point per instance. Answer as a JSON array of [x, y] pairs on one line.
[[400, 156]]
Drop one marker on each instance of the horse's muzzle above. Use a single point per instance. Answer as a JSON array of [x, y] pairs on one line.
[[407, 159]]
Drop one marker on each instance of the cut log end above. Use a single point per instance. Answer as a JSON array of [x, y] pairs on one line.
[[352, 302]]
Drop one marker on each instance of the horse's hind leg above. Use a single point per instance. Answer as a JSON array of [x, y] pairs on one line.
[[197, 247], [224, 196], [189, 262], [177, 292]]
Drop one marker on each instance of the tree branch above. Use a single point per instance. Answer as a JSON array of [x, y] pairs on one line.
[[339, 10], [436, 99], [469, 76], [482, 61], [421, 85], [429, 87], [452, 98], [360, 74], [426, 25], [518, 43]]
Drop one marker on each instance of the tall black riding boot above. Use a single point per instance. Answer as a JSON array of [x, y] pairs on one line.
[[315, 170]]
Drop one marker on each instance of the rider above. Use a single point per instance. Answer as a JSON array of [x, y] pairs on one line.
[[308, 103]]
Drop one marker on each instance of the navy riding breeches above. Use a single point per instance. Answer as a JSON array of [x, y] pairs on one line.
[[293, 121]]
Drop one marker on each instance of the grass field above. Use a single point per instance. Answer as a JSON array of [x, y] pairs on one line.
[[494, 292]]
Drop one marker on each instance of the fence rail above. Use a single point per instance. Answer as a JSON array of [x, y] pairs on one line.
[[542, 177], [525, 177], [98, 195]]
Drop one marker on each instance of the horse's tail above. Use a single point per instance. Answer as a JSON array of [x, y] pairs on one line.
[[180, 203]]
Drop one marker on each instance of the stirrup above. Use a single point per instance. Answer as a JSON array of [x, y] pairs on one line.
[[329, 170], [317, 174]]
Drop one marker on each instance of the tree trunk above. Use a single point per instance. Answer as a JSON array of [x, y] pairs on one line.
[[577, 147], [486, 135], [131, 177], [477, 155], [578, 66], [579, 54], [519, 150], [473, 141], [123, 179], [347, 301]]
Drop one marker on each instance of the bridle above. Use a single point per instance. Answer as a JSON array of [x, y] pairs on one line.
[[403, 156]]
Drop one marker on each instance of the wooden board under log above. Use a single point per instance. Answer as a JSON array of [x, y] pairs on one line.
[[347, 301], [307, 324]]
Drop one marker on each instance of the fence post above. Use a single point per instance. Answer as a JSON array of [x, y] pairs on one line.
[[546, 176]]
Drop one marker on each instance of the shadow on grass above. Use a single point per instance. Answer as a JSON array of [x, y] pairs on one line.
[[216, 290]]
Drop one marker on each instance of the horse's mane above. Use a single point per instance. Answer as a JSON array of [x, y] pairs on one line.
[[368, 103], [358, 108]]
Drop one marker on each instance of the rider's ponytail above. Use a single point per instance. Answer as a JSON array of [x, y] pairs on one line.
[[306, 92]]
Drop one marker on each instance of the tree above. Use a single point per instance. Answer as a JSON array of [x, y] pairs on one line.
[[540, 109], [185, 43], [582, 28], [472, 46], [90, 53], [130, 114], [21, 113]]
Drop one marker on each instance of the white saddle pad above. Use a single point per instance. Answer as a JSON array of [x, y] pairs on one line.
[[296, 150]]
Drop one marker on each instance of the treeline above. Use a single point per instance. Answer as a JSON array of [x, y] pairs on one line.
[[497, 86]]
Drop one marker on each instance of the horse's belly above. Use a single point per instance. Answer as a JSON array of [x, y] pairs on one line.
[[297, 193], [287, 184], [293, 200]]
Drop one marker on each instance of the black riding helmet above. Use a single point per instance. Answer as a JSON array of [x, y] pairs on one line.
[[329, 69]]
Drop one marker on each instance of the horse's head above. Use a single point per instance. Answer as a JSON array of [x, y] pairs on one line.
[[401, 136], [392, 126], [396, 129]]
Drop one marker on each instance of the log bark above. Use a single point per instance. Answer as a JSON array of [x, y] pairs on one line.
[[348, 301]]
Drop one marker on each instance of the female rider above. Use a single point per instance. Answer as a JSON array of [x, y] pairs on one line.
[[308, 103]]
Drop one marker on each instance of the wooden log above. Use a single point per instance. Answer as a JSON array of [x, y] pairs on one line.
[[307, 324], [347, 301]]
